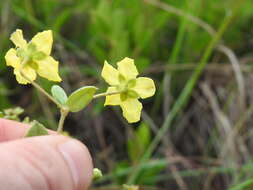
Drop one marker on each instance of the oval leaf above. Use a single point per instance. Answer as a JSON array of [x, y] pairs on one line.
[[59, 94], [80, 98], [37, 129]]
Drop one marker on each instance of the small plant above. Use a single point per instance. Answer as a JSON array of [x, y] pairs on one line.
[[32, 59]]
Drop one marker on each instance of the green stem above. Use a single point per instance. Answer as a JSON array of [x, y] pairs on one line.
[[64, 113], [106, 94], [39, 88]]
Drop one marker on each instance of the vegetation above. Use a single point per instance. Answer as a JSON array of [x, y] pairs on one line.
[[196, 133]]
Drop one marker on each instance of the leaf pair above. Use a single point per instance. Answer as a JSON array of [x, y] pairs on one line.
[[77, 100]]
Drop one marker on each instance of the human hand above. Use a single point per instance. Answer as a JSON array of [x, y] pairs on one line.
[[52, 162]]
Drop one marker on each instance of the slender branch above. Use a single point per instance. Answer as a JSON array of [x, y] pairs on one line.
[[64, 113], [39, 88], [106, 94]]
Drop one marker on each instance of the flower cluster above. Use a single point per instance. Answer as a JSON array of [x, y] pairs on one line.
[[32, 58], [130, 88]]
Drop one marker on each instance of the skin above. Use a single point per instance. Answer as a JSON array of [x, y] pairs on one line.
[[49, 162]]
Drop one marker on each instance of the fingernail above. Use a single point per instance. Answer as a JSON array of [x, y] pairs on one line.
[[75, 155]]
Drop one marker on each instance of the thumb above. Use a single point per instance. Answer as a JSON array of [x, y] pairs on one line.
[[45, 163]]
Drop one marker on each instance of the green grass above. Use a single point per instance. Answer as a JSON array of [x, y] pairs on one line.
[[89, 32]]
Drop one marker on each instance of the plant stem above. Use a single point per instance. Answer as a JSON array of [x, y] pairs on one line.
[[64, 113], [106, 94], [39, 88]]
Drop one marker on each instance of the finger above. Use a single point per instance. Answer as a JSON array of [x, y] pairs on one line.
[[45, 162], [11, 130]]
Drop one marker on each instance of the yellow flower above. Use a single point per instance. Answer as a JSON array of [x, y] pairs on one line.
[[32, 57], [124, 80]]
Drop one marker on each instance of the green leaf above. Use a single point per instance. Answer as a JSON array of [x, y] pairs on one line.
[[80, 98], [37, 129], [138, 142], [144, 134], [59, 94]]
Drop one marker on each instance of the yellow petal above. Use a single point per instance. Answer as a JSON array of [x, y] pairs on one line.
[[145, 87], [28, 72], [12, 59], [110, 74], [112, 99], [43, 41], [48, 68], [131, 109], [18, 39], [127, 68]]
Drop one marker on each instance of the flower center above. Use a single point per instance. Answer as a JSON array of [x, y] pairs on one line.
[[126, 88], [31, 55]]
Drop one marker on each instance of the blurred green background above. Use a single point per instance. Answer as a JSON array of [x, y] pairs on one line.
[[196, 132]]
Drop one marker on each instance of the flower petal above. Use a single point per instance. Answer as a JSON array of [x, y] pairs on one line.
[[131, 109], [18, 39], [127, 68], [110, 74], [112, 99], [48, 68], [12, 59], [145, 87], [43, 41], [28, 72]]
